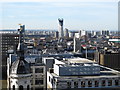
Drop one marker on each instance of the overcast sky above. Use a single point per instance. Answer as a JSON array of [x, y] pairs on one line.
[[77, 14]]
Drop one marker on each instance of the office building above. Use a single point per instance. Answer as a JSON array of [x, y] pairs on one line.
[[56, 34], [66, 33], [108, 59], [60, 30], [82, 32], [81, 73], [9, 41], [77, 45], [105, 32]]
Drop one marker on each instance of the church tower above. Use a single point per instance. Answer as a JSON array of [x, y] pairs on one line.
[[20, 76]]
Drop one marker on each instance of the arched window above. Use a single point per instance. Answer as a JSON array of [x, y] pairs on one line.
[[75, 84], [20, 87], [89, 83], [96, 83], [82, 83], [109, 82], [28, 87], [103, 82], [13, 87]]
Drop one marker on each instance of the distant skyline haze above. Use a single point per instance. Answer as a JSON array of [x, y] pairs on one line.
[[44, 14]]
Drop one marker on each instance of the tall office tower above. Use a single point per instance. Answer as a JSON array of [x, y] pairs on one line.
[[102, 32], [93, 33], [105, 32], [80, 33], [9, 41], [56, 34], [66, 33], [60, 30], [98, 33], [89, 35], [77, 45]]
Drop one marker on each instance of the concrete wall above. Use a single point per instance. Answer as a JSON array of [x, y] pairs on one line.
[[110, 60]]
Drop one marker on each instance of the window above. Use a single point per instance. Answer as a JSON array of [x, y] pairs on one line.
[[31, 70], [89, 83], [75, 84], [28, 88], [109, 82], [38, 70], [103, 82], [69, 84], [49, 79], [31, 81], [96, 83], [38, 81], [116, 82], [82, 83], [52, 81], [16, 82], [20, 87], [13, 87]]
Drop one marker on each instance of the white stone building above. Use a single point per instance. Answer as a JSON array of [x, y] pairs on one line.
[[18, 71], [37, 72], [23, 72]]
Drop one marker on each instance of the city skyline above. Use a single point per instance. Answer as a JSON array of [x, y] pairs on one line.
[[92, 15]]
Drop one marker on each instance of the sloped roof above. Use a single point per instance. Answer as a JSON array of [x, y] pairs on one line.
[[20, 67]]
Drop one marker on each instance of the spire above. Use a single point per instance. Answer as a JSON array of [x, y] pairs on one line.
[[20, 66], [20, 48]]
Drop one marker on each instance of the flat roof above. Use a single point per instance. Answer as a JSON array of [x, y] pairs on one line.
[[102, 75], [104, 72], [80, 60]]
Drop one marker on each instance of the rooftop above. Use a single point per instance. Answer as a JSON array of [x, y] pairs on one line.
[[77, 62], [107, 72], [80, 60], [83, 67]]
